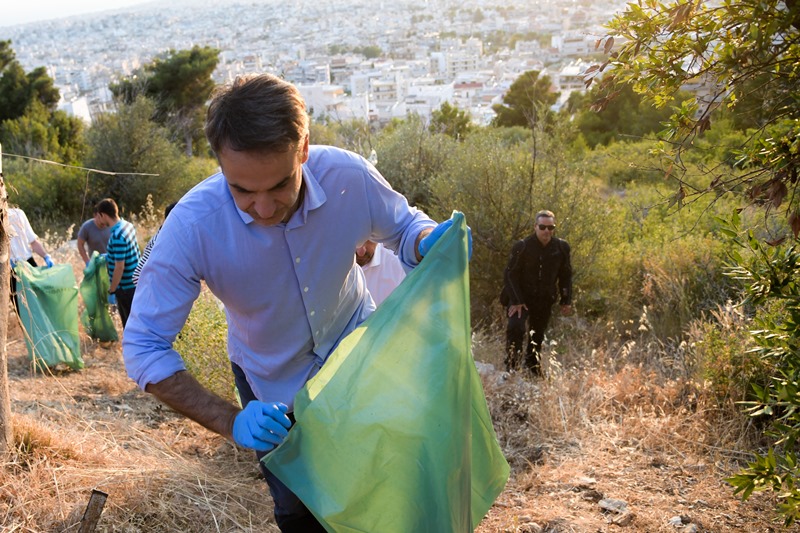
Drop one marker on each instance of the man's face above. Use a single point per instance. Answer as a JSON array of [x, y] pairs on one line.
[[265, 186], [545, 227], [364, 253], [102, 220]]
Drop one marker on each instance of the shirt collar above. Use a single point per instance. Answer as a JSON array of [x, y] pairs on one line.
[[376, 257]]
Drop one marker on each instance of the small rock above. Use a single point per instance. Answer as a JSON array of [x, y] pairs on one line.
[[675, 521], [624, 519], [610, 504], [592, 495], [530, 527], [691, 528], [484, 369]]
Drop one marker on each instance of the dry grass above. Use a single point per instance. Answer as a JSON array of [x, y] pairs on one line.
[[93, 429], [623, 420]]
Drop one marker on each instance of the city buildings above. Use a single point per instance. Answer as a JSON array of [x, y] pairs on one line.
[[350, 58]]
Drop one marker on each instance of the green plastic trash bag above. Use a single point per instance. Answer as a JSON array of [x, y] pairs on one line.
[[95, 318], [394, 434], [48, 310]]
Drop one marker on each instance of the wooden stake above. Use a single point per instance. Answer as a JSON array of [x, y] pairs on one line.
[[93, 511]]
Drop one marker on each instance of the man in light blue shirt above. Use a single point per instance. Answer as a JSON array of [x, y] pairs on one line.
[[272, 235]]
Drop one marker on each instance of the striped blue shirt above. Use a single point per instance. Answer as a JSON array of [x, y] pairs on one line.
[[122, 246]]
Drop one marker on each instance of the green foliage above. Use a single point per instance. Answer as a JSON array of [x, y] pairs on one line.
[[526, 102], [179, 84], [43, 134], [681, 280], [451, 121], [19, 90], [50, 195], [771, 275], [354, 135], [657, 257], [29, 123], [627, 116], [626, 163], [409, 156], [744, 52], [370, 51], [203, 345], [128, 142]]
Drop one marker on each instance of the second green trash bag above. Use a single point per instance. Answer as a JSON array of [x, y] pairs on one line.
[[95, 318], [394, 434]]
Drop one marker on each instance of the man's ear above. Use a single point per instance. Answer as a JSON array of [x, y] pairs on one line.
[[304, 150]]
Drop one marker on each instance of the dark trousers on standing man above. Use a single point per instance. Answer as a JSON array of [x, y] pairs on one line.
[[124, 303], [291, 514], [534, 323]]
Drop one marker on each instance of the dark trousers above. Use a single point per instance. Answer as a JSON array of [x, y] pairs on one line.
[[13, 277], [536, 319], [124, 303], [291, 514]]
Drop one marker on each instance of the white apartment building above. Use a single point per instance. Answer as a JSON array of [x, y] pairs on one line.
[[323, 99]]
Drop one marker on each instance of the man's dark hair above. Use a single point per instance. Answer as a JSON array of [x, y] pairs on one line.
[[256, 113], [107, 206], [544, 213]]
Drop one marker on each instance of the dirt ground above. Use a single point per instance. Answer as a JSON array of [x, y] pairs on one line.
[[562, 488]]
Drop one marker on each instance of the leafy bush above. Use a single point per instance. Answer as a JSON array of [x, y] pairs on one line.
[[51, 196], [409, 156], [144, 159], [771, 275]]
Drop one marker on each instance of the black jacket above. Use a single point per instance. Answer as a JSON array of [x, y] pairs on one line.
[[539, 274]]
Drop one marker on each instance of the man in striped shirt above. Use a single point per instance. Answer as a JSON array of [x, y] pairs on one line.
[[122, 256]]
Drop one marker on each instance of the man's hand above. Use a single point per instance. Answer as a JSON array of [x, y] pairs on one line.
[[48, 261], [566, 310], [261, 426], [427, 242], [516, 310]]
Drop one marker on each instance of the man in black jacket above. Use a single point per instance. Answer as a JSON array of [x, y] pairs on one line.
[[538, 273]]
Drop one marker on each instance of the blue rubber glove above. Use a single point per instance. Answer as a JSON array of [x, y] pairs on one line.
[[48, 261], [430, 239], [261, 426], [112, 299]]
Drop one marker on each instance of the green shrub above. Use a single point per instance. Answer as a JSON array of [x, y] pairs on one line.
[[770, 274], [722, 352]]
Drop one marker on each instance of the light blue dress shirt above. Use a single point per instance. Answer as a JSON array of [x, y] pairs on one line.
[[292, 291]]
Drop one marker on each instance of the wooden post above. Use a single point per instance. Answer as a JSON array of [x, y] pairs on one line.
[[6, 433], [93, 511]]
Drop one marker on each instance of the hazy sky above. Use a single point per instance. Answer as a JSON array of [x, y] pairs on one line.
[[22, 11]]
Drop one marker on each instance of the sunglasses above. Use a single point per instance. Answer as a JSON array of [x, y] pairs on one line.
[[543, 227]]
